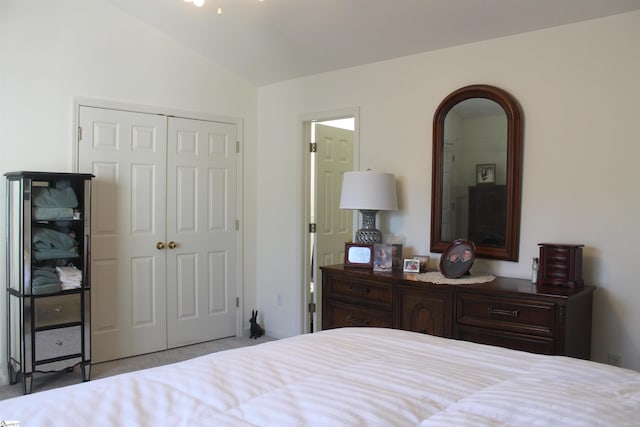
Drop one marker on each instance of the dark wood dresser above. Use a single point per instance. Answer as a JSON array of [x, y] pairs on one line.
[[506, 312], [487, 214]]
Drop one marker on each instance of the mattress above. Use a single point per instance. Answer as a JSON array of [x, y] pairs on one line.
[[348, 377]]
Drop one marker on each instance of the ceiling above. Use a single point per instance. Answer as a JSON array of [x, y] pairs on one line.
[[276, 40]]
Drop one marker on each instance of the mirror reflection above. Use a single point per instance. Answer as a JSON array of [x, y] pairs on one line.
[[474, 172], [477, 162]]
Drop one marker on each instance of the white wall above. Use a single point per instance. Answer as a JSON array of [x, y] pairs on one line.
[[580, 93], [51, 51]]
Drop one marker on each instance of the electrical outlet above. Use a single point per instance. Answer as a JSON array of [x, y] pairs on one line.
[[613, 359]]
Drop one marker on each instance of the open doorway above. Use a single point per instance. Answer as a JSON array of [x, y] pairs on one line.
[[332, 141]]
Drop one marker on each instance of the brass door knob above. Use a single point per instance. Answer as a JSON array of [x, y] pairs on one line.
[[172, 245], [159, 245]]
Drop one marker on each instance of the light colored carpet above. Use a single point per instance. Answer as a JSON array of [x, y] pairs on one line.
[[45, 381]]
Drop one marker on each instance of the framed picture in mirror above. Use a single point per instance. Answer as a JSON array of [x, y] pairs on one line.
[[486, 173]]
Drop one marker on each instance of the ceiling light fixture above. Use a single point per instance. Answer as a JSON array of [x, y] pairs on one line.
[[200, 3]]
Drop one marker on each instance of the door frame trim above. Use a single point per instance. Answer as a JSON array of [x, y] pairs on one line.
[[303, 126], [79, 102]]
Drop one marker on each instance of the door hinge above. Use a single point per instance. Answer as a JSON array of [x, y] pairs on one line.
[[313, 147], [312, 228], [238, 147], [312, 307], [237, 302], [237, 224], [79, 133]]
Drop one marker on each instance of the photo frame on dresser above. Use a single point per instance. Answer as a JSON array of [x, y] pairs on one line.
[[411, 266], [382, 257], [457, 258], [358, 255]]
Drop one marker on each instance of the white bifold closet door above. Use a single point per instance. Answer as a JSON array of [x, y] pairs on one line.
[[163, 230]]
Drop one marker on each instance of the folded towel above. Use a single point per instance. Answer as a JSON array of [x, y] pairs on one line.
[[70, 276], [44, 276], [44, 254], [46, 289], [47, 238], [60, 197], [52, 214]]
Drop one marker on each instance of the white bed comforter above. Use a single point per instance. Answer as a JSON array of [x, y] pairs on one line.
[[348, 377]]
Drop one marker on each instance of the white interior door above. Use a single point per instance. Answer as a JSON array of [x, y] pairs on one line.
[[201, 218], [334, 225], [127, 154], [333, 156]]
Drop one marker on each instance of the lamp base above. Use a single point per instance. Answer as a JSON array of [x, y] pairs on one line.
[[368, 233], [368, 236]]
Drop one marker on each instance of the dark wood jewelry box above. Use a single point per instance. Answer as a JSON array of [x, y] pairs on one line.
[[560, 265]]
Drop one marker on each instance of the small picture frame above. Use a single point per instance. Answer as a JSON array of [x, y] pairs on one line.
[[411, 266], [424, 262], [396, 256], [382, 257], [457, 258], [358, 255], [486, 173]]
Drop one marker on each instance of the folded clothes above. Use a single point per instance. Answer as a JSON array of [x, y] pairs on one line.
[[47, 238], [44, 276], [45, 254], [70, 276], [46, 289], [58, 197], [52, 214]]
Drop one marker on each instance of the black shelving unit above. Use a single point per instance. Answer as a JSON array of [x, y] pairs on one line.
[[48, 274]]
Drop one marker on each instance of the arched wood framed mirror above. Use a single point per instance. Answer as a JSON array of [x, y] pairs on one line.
[[477, 172]]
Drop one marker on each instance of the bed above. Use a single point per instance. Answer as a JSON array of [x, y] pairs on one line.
[[348, 377]]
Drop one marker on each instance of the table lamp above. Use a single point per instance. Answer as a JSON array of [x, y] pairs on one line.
[[369, 192]]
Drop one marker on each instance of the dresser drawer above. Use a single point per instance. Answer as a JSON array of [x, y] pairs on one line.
[[515, 341], [342, 315], [57, 310], [61, 342], [507, 314], [379, 295]]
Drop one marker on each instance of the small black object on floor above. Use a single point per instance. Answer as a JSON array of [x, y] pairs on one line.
[[256, 330]]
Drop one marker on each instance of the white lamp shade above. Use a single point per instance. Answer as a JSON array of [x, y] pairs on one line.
[[369, 191]]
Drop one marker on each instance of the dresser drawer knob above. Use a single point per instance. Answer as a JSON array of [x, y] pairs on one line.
[[501, 312], [58, 309], [58, 342]]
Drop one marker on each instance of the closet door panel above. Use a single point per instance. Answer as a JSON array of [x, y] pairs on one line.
[[217, 287], [187, 286], [187, 200], [126, 151], [217, 209], [143, 191], [201, 177]]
